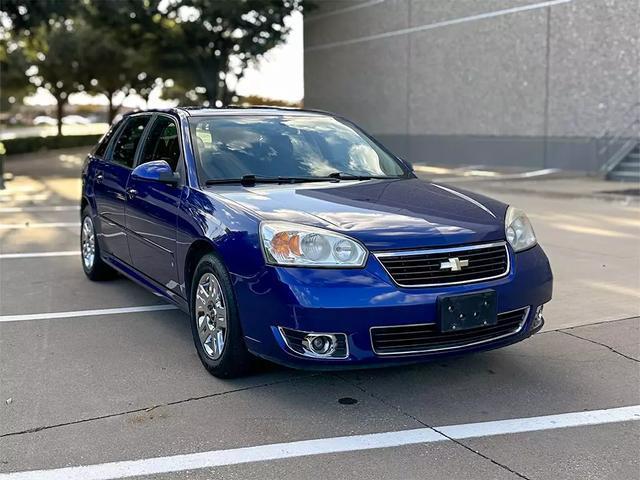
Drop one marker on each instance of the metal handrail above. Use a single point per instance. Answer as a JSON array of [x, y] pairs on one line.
[[611, 149]]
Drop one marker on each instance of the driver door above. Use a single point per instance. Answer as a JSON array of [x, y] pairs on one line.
[[152, 207], [112, 176]]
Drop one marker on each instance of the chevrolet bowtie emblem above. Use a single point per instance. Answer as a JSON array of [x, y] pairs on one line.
[[454, 264]]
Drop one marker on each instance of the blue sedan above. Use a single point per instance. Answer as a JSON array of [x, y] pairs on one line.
[[294, 236]]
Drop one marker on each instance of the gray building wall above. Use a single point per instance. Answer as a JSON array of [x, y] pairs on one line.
[[493, 82]]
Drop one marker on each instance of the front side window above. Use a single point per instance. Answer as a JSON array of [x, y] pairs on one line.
[[162, 143], [286, 146], [125, 147]]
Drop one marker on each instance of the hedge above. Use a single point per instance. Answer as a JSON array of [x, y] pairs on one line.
[[33, 144]]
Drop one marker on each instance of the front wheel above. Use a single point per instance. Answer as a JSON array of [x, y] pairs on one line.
[[215, 325], [92, 264]]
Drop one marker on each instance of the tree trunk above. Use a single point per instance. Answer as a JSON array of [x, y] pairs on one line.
[[60, 112], [112, 109], [212, 93]]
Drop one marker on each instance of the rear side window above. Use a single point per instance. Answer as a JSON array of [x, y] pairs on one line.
[[125, 147], [101, 149], [162, 143]]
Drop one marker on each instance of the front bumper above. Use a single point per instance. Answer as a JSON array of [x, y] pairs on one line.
[[355, 301]]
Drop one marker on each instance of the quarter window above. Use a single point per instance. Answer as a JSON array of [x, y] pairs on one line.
[[104, 143], [162, 143], [125, 147]]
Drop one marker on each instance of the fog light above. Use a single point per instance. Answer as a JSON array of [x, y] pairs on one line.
[[320, 344], [538, 319]]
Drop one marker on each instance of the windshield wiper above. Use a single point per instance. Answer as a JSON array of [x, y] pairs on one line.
[[351, 176], [253, 179], [248, 180]]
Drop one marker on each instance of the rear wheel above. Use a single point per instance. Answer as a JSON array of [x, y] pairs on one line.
[[215, 325], [92, 264]]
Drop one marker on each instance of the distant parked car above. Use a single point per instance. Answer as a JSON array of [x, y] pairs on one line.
[[44, 120], [294, 236], [75, 120]]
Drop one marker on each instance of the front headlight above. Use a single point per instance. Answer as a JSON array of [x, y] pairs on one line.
[[290, 244], [518, 230]]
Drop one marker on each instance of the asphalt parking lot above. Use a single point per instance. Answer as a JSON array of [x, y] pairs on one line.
[[101, 380]]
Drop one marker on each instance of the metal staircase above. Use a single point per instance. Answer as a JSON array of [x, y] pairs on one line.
[[628, 168], [619, 152]]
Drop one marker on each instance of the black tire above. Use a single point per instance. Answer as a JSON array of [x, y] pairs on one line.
[[234, 360], [98, 269]]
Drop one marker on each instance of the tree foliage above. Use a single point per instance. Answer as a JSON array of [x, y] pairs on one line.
[[14, 84], [197, 49], [59, 67], [208, 45]]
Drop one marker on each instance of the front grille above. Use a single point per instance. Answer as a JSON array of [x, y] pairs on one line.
[[424, 268], [427, 337]]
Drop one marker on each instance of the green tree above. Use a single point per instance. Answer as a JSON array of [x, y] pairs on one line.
[[121, 60], [205, 44], [198, 49], [48, 49], [57, 68], [108, 65], [26, 15], [14, 83]]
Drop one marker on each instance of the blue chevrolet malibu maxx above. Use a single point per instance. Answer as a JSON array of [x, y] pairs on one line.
[[294, 236]]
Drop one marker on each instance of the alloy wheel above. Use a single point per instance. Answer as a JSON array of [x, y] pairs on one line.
[[211, 315], [88, 243]]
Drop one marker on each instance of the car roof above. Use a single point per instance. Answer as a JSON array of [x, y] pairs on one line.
[[240, 111], [253, 110]]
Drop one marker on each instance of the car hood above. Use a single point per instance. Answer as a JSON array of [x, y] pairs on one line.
[[382, 214]]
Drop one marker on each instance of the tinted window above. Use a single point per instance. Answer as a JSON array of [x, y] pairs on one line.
[[304, 146], [104, 143], [125, 147], [162, 143]]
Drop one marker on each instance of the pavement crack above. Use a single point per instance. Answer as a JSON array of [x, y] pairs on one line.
[[624, 355], [601, 322], [435, 429], [153, 407]]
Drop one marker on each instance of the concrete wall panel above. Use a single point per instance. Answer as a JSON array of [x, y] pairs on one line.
[[372, 19], [344, 80], [594, 66], [485, 77], [534, 88], [424, 12]]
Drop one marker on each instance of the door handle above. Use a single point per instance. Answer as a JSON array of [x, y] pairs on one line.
[[99, 177], [132, 192]]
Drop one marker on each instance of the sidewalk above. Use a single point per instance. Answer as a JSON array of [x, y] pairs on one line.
[[550, 183]]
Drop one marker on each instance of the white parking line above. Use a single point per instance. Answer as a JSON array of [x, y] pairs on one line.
[[68, 253], [53, 208], [9, 226], [84, 313], [277, 451]]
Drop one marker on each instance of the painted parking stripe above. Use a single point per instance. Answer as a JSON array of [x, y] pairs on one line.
[[84, 313], [321, 446], [9, 226], [53, 208], [68, 253]]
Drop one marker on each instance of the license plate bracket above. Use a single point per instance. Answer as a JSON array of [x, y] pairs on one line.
[[466, 311]]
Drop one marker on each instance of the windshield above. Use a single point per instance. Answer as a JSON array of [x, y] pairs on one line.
[[285, 146]]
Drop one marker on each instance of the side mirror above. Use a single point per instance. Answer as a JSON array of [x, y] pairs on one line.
[[156, 171]]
